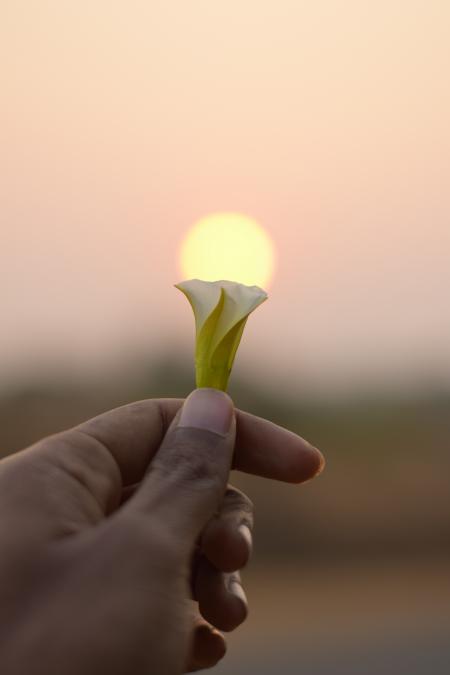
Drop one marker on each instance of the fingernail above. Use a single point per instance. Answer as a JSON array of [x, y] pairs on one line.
[[236, 589], [321, 462], [317, 461], [208, 409], [245, 533]]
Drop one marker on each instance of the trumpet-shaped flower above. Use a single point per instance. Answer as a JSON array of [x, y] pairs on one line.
[[221, 310]]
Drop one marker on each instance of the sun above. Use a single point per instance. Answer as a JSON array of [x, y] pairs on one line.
[[228, 246]]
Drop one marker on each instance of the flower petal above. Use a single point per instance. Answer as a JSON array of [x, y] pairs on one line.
[[240, 301], [203, 297]]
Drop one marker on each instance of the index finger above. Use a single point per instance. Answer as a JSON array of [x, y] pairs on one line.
[[133, 434], [268, 450]]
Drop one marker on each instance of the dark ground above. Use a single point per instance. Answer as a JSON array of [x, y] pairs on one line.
[[390, 619]]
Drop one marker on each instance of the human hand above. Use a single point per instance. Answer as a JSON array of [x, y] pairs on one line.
[[107, 530]]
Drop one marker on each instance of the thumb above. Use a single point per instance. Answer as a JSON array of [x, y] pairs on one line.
[[188, 476]]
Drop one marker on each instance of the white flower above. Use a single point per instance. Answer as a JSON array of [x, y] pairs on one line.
[[221, 310]]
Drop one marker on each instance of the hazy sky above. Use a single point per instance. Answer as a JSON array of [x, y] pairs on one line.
[[327, 121]]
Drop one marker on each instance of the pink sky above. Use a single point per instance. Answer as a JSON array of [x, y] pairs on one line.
[[328, 122]]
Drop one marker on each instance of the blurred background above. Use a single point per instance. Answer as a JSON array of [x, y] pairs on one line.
[[122, 125]]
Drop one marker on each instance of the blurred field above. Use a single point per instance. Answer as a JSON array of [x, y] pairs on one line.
[[385, 490], [351, 572]]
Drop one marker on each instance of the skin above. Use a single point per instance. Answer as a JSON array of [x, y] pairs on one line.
[[121, 540]]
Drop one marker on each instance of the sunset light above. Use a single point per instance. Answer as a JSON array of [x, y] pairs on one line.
[[228, 246]]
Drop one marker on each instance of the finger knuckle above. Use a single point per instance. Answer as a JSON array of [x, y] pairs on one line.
[[192, 464], [236, 500]]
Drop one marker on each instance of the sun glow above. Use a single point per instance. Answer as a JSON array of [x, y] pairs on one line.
[[228, 246]]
